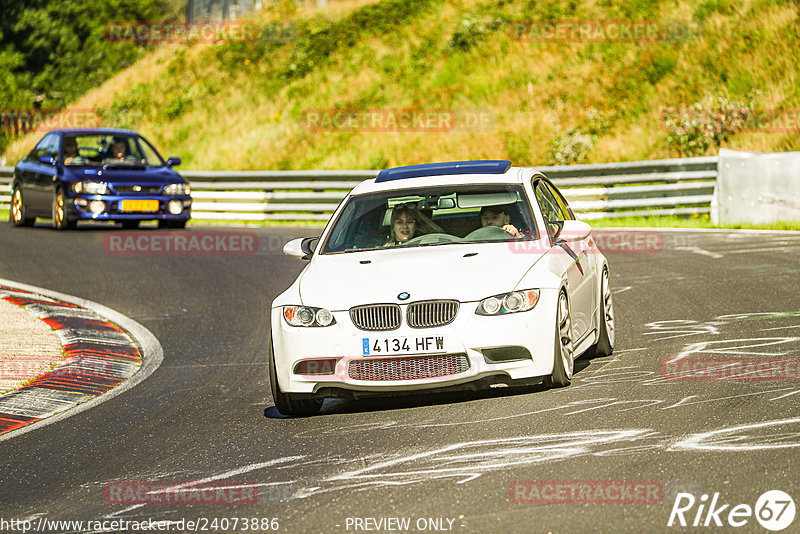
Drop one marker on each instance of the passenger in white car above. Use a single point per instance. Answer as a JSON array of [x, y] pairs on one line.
[[498, 216], [407, 222]]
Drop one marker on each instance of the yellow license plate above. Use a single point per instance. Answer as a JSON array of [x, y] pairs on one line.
[[139, 205]]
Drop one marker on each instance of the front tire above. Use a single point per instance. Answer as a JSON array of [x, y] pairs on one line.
[[60, 219], [564, 354], [605, 339], [18, 215], [294, 404]]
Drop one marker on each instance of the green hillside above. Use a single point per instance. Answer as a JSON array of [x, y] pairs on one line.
[[475, 79]]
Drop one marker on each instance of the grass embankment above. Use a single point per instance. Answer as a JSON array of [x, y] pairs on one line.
[[245, 105]]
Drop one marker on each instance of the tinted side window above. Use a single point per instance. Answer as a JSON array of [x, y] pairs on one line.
[[551, 210], [562, 203], [43, 148]]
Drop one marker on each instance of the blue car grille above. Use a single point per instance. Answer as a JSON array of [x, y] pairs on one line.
[[137, 189]]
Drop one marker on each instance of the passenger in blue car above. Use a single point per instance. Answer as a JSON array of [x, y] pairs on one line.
[[118, 151], [71, 155]]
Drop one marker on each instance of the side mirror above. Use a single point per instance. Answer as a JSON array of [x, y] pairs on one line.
[[47, 160], [300, 248], [573, 231], [172, 162]]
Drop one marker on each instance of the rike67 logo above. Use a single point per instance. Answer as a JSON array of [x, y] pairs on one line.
[[774, 510]]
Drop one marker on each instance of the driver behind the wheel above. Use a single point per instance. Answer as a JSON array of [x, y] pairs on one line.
[[407, 222], [498, 216]]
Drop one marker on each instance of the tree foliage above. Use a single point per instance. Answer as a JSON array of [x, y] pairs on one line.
[[56, 51]]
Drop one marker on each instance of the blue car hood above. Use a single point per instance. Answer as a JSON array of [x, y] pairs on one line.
[[120, 175]]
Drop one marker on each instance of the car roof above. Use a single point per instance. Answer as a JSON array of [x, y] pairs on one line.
[[514, 175], [95, 131]]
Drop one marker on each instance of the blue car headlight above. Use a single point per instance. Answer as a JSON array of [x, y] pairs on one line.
[[90, 188], [175, 190], [307, 316], [513, 302]]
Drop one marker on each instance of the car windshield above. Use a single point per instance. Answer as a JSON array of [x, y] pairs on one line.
[[108, 149], [432, 217]]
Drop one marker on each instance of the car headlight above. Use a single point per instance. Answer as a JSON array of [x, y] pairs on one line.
[[307, 316], [177, 189], [90, 188], [516, 301]]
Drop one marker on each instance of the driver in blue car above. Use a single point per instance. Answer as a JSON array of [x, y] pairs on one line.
[[498, 216]]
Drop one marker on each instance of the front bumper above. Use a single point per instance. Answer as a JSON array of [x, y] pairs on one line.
[[467, 351], [77, 207]]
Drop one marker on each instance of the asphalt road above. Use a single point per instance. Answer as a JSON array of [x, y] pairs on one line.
[[206, 413]]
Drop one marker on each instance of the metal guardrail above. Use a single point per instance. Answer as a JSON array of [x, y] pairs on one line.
[[6, 174], [639, 188]]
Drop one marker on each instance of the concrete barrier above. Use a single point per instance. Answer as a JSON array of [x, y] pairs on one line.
[[756, 188]]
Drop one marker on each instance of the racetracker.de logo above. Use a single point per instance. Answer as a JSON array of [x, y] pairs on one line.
[[157, 32], [397, 120], [595, 31], [607, 241], [750, 369], [179, 493], [182, 243], [741, 119], [586, 492], [44, 120]]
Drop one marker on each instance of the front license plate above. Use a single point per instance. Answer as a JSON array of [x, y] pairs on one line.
[[139, 205], [382, 346]]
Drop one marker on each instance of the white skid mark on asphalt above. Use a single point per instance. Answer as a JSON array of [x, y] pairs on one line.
[[469, 460], [698, 250], [228, 474], [680, 402], [728, 397], [795, 392], [713, 347], [621, 290], [753, 437], [780, 328]]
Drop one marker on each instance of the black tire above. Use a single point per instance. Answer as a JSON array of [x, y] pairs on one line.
[[605, 339], [18, 213], [563, 353], [130, 225], [293, 404], [61, 220], [172, 224]]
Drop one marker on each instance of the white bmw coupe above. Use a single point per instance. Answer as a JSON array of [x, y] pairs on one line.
[[446, 275]]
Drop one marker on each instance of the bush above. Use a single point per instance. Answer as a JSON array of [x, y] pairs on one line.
[[570, 148], [693, 130]]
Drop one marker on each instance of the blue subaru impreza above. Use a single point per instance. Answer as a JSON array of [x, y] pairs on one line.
[[98, 174]]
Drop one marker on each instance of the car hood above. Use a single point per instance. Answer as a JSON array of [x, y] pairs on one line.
[[461, 272], [132, 176]]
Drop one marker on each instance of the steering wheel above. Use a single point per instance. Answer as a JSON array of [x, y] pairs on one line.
[[432, 238], [491, 233]]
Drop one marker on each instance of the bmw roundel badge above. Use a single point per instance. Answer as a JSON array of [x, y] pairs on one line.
[[404, 296]]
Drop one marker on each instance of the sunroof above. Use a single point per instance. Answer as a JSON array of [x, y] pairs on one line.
[[442, 169]]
